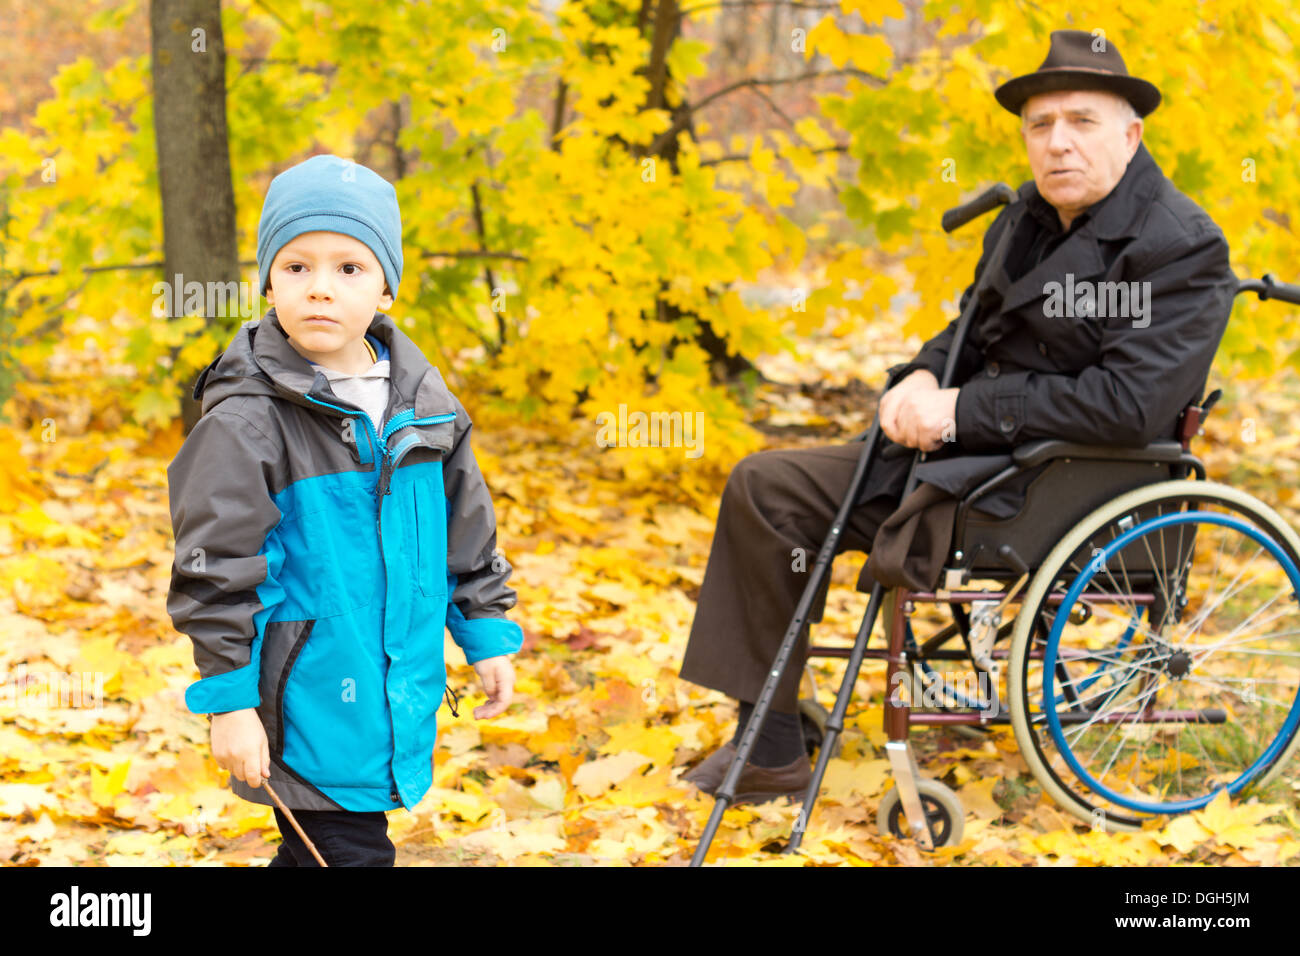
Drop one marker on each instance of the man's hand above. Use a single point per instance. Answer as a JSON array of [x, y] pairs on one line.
[[497, 675], [239, 745], [917, 413]]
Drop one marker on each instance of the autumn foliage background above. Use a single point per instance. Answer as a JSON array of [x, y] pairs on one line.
[[734, 212]]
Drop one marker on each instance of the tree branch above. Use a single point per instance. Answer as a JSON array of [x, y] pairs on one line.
[[686, 111], [267, 7], [665, 30], [487, 270], [424, 254], [793, 4], [471, 254], [557, 116], [740, 157]]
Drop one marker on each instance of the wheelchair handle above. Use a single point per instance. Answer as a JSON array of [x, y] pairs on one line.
[[988, 200], [1269, 288]]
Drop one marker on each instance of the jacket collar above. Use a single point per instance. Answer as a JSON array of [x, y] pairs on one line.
[[417, 384], [1118, 214], [1121, 212]]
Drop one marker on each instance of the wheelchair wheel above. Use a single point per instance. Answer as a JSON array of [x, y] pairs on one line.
[[943, 814], [947, 685], [813, 717], [1156, 659], [924, 681]]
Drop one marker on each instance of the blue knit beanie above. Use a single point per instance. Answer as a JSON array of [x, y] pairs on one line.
[[331, 194]]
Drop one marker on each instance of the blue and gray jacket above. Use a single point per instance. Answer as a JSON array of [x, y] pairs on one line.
[[318, 562]]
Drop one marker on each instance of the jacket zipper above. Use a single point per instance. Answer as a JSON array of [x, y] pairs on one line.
[[386, 471], [394, 423], [385, 477], [380, 443]]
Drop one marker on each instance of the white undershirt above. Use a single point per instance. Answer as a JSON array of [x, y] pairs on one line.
[[368, 390]]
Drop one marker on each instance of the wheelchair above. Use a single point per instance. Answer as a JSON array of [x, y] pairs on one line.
[[1152, 660], [1137, 626]]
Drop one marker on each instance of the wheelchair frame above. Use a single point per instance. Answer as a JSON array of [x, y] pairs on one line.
[[1018, 553]]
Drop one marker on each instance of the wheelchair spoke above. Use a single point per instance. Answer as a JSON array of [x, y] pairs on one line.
[[1134, 619], [1206, 759], [1082, 728], [1254, 638], [1131, 669], [1115, 586], [1219, 686], [1111, 762], [1255, 650], [1160, 578], [1236, 633], [1114, 727], [1206, 612], [1082, 704]]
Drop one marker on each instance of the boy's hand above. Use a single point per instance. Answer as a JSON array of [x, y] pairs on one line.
[[497, 675], [239, 745]]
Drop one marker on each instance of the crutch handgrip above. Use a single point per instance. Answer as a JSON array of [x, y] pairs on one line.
[[991, 198]]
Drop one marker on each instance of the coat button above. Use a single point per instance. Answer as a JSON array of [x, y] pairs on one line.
[[1007, 424], [1042, 348], [393, 796], [992, 369]]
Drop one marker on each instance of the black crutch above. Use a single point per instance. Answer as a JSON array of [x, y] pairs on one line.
[[952, 219]]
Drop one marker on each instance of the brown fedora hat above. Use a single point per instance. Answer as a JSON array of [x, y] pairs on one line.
[[1073, 64]]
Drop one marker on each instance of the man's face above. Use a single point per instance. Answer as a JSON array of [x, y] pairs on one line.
[[1079, 144], [326, 288]]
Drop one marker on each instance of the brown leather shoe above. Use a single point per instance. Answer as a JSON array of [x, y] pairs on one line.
[[708, 774], [756, 784]]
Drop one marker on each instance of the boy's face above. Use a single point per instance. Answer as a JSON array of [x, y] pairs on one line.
[[326, 288]]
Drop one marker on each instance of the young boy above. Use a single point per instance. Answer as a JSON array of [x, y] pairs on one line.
[[330, 520]]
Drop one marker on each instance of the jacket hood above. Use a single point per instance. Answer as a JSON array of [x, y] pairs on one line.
[[260, 361]]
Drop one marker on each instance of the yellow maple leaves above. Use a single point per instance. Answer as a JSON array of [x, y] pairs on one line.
[[610, 544], [595, 777], [873, 11], [871, 54], [1227, 823], [1223, 827]]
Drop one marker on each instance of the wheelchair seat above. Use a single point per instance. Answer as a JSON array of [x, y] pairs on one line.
[[1075, 480]]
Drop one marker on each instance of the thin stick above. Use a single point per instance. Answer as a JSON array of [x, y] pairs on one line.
[[287, 813]]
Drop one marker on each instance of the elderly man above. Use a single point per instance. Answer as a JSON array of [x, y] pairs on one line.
[[1046, 357]]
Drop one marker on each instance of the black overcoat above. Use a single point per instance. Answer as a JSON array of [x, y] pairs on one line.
[[1048, 357]]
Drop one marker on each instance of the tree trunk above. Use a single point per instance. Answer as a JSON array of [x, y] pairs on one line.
[[667, 26], [198, 200]]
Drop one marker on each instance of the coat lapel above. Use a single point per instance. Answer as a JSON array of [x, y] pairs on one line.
[[1078, 255], [1118, 215]]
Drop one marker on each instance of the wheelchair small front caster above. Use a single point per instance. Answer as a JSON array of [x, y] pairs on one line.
[[943, 813]]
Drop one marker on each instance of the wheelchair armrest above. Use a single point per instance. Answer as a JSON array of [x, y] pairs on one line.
[[1036, 452]]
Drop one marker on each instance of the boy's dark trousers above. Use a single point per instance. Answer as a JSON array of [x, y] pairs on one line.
[[341, 837]]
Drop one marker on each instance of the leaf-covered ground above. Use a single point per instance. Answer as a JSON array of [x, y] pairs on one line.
[[584, 768]]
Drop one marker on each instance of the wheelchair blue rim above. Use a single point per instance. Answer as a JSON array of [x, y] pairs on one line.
[[1270, 753], [961, 699]]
